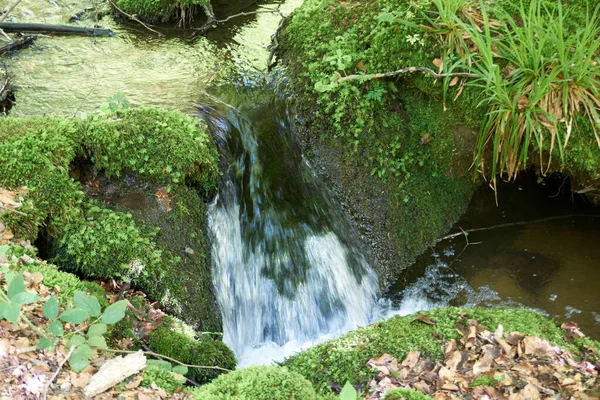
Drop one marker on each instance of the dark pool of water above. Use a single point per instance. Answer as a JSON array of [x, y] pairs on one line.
[[552, 266]]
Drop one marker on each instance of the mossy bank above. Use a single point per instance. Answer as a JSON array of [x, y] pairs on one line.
[[399, 150], [119, 196]]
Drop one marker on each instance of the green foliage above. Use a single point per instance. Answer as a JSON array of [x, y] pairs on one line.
[[406, 394], [86, 306], [114, 103], [161, 377], [171, 341], [36, 153], [349, 393], [484, 380], [108, 244], [159, 10], [343, 359], [258, 383], [164, 146]]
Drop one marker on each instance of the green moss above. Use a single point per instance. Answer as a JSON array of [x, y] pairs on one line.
[[406, 394], [164, 146], [159, 10], [171, 340], [258, 383], [161, 377], [343, 359], [65, 283], [36, 153]]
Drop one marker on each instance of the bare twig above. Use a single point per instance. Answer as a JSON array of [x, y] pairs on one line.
[[134, 18], [519, 223], [212, 22], [151, 353], [62, 363], [9, 10], [13, 210], [408, 70]]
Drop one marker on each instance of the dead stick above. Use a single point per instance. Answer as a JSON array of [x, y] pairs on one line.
[[10, 209], [151, 353], [134, 18], [62, 363], [520, 223], [9, 10], [408, 71], [212, 22]]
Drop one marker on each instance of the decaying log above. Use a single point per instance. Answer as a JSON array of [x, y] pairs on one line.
[[60, 29], [24, 41]]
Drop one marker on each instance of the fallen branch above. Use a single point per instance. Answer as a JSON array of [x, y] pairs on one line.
[[213, 22], [9, 10], [3, 207], [60, 366], [151, 353], [134, 18], [408, 70], [17, 27], [275, 47], [17, 43], [508, 224]]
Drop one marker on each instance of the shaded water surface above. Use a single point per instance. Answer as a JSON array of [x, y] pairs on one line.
[[552, 266]]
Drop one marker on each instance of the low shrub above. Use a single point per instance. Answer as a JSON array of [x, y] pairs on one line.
[[258, 383]]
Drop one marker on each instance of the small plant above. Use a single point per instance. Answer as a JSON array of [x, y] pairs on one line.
[[349, 393], [114, 103], [80, 341]]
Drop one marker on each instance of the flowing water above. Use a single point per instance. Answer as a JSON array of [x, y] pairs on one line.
[[289, 270]]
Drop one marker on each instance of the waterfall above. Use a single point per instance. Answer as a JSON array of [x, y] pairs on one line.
[[286, 266]]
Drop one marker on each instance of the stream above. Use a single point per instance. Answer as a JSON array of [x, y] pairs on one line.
[[288, 267]]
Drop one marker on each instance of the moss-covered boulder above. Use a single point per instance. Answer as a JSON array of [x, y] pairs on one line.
[[157, 241], [344, 359], [258, 383], [400, 149], [178, 341]]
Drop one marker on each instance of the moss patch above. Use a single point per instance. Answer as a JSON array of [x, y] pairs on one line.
[[258, 383], [159, 10], [343, 359], [172, 340], [406, 394]]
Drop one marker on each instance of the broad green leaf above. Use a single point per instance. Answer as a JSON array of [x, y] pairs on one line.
[[25, 298], [161, 363], [51, 308], [10, 312], [348, 392], [16, 286], [96, 330], [74, 315], [81, 357], [115, 312], [56, 328], [45, 343], [4, 249], [97, 341], [87, 303], [76, 340], [180, 369]]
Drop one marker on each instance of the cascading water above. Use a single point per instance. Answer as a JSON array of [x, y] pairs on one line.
[[286, 267]]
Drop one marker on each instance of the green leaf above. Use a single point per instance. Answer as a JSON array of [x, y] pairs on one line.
[[76, 340], [56, 328], [161, 363], [25, 298], [74, 315], [45, 343], [97, 341], [4, 249], [10, 312], [81, 358], [16, 286], [87, 303], [180, 369], [96, 330], [51, 308], [115, 312], [348, 392]]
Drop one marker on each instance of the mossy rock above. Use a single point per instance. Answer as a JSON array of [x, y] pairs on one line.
[[158, 149], [174, 340], [258, 383], [344, 359], [154, 374]]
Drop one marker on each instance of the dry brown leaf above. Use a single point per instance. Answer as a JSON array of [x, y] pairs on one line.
[[163, 197], [439, 64], [361, 66], [453, 82]]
